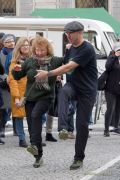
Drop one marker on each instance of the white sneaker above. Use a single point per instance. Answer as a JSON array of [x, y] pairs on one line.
[[90, 127], [9, 123]]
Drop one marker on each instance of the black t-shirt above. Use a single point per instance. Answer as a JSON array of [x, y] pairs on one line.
[[84, 77]]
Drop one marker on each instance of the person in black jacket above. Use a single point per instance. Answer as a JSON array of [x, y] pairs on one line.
[[1, 102], [1, 73], [112, 89]]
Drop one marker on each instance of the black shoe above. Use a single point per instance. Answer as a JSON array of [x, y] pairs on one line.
[[76, 164], [49, 137], [23, 143], [43, 144], [38, 162], [106, 133], [2, 142]]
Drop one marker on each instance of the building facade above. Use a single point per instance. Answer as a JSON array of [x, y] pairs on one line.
[[24, 8], [114, 8]]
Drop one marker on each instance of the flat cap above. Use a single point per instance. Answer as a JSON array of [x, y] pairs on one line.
[[73, 26], [116, 46]]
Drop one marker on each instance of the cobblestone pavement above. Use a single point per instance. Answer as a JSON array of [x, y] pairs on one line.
[[112, 173], [16, 163]]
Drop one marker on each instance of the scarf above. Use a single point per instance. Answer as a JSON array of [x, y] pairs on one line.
[[8, 53], [22, 59], [44, 64]]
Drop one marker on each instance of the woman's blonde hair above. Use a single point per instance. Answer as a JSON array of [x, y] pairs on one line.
[[16, 52], [40, 41]]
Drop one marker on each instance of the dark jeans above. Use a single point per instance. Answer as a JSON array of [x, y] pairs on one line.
[[66, 96], [113, 110], [34, 110], [83, 113]]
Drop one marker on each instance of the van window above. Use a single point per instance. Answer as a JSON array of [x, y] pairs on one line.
[[112, 38], [95, 39]]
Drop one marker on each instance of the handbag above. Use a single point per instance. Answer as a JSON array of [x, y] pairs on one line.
[[3, 84], [102, 81], [53, 110]]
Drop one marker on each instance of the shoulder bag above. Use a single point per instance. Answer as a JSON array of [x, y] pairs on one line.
[[102, 81]]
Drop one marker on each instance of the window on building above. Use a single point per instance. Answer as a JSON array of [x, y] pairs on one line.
[[91, 3], [7, 7]]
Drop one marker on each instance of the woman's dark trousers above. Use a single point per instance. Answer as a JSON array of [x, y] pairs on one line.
[[34, 110], [113, 110]]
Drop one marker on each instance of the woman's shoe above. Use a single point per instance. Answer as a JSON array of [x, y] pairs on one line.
[[33, 150], [38, 162]]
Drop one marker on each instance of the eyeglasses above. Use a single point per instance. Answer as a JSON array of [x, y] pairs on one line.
[[27, 45], [42, 50], [8, 42], [68, 33]]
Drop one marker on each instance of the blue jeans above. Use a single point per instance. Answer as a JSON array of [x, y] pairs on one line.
[[71, 112], [43, 118], [20, 128]]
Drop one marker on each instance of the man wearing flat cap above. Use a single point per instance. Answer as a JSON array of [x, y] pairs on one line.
[[80, 66]]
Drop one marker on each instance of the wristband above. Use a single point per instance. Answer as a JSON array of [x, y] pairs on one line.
[[49, 73]]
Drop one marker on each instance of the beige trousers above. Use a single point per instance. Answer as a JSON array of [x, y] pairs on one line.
[[49, 123]]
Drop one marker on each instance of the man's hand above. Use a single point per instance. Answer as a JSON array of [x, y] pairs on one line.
[[117, 53], [41, 74], [59, 78], [68, 46], [17, 67]]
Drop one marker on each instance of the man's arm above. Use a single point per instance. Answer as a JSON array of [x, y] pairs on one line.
[[59, 71]]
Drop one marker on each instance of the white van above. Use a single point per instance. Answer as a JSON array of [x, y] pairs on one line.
[[100, 34]]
